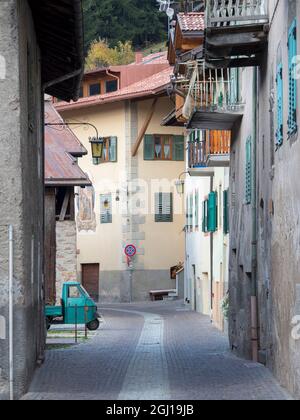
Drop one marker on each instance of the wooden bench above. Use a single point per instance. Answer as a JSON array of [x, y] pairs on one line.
[[156, 295]]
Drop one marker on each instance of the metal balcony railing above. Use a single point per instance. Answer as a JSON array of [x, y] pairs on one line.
[[211, 90], [222, 13]]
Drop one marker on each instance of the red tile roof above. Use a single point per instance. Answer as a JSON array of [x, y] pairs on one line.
[[191, 22], [150, 86], [61, 145]]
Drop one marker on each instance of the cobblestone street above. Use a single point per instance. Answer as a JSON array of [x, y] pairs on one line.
[[153, 352]]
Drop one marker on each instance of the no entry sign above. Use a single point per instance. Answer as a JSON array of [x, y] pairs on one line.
[[130, 251]]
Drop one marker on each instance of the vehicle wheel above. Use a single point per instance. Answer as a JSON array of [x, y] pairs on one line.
[[93, 325], [48, 323]]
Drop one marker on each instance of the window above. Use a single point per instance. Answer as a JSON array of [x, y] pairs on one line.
[[292, 52], [110, 149], [163, 207], [95, 89], [81, 92], [106, 208], [279, 85], [111, 86], [164, 147], [74, 292], [248, 175]]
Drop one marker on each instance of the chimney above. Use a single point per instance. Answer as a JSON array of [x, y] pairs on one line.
[[139, 57]]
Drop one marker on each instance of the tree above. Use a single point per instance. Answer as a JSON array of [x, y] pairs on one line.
[[101, 55], [124, 20]]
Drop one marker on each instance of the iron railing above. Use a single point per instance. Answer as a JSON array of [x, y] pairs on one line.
[[236, 12]]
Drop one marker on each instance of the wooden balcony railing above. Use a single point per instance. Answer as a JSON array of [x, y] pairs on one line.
[[236, 12], [216, 144]]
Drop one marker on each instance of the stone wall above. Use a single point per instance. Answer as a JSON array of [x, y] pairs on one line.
[[66, 255], [21, 192]]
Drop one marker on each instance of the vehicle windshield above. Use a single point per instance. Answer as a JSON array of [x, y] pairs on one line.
[[84, 291]]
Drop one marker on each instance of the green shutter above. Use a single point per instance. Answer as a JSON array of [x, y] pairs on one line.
[[234, 86], [279, 85], [178, 148], [113, 149], [292, 53], [226, 212], [148, 147], [163, 207], [248, 175], [197, 210], [212, 212], [106, 208]]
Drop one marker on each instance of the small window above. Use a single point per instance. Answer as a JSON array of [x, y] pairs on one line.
[[164, 147], [110, 149], [106, 208], [74, 292], [81, 92], [164, 208], [111, 86], [95, 89]]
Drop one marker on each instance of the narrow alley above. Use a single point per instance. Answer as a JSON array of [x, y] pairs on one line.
[[153, 352]]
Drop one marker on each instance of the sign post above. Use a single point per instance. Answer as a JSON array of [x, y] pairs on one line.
[[130, 252]]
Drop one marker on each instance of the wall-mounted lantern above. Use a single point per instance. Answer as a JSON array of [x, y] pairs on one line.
[[97, 145], [180, 183]]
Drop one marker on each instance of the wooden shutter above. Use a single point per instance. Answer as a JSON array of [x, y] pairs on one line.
[[149, 147], [226, 212], [212, 212], [279, 84], [113, 149], [106, 208], [248, 175], [163, 207], [178, 148], [292, 52]]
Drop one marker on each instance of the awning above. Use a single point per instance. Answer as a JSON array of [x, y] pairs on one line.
[[59, 27]]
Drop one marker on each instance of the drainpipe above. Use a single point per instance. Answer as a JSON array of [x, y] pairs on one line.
[[11, 315], [115, 77], [254, 300], [212, 258]]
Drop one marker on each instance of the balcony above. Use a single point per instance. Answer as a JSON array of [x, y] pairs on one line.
[[212, 99], [212, 152], [236, 32]]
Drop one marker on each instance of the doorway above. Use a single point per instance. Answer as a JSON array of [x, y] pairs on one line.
[[91, 279]]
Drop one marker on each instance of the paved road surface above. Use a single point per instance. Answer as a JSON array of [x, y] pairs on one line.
[[153, 351]]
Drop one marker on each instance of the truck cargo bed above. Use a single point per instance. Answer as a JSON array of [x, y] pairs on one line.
[[54, 311]]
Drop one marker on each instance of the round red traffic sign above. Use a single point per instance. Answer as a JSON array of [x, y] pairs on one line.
[[130, 251]]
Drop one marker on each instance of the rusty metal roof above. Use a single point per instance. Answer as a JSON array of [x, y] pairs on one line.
[[59, 28], [62, 148]]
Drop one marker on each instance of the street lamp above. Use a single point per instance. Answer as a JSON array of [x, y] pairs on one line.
[[180, 183], [97, 144]]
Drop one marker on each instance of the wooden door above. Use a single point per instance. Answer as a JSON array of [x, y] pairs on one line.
[[90, 279]]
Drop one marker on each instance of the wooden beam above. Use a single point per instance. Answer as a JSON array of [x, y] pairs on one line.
[[64, 206], [144, 128]]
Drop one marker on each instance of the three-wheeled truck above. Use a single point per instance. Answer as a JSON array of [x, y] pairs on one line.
[[77, 307]]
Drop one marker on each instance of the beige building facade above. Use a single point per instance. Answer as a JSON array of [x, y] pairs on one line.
[[133, 200]]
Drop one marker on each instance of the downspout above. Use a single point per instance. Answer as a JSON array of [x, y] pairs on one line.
[[212, 258], [11, 313], [254, 297], [115, 77]]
